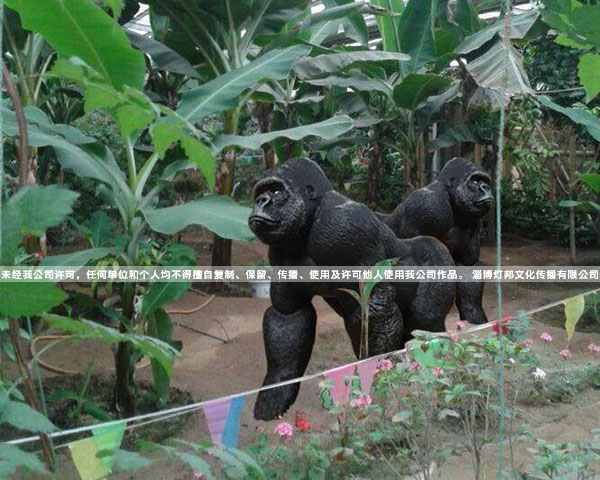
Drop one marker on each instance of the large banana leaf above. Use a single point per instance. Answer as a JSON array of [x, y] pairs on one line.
[[578, 115], [520, 24], [219, 214], [223, 92], [163, 57], [389, 25], [500, 68], [417, 32], [78, 28], [355, 80], [79, 258], [415, 88], [28, 299], [355, 26], [311, 67], [328, 130]]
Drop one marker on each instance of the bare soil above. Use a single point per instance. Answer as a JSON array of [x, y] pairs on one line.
[[209, 368]]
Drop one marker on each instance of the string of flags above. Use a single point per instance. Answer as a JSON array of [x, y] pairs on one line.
[[94, 456]]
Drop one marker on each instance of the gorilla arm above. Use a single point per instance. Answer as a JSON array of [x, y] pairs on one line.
[[289, 334]]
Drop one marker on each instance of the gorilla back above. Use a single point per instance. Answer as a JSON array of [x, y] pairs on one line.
[[451, 209], [306, 222]]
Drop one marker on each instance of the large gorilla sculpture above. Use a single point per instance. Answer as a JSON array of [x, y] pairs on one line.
[[451, 209], [306, 222]]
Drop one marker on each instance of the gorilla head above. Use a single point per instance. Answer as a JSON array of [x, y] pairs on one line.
[[469, 188], [285, 201]]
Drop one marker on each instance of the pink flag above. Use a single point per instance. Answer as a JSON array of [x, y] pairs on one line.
[[216, 417], [366, 372], [340, 392]]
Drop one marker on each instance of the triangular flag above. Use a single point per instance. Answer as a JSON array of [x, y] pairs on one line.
[[216, 417], [232, 425], [85, 457], [574, 308], [366, 372], [340, 392], [108, 438]]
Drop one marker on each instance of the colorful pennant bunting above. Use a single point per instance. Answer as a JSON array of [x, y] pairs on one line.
[[366, 372], [340, 392], [223, 420], [93, 457]]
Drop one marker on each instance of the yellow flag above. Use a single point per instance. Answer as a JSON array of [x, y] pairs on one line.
[[573, 310], [89, 466]]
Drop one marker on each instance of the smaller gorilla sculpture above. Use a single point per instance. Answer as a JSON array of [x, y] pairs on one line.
[[306, 222], [451, 209]]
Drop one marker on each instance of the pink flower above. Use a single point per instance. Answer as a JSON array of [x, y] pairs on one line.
[[198, 475], [284, 430], [437, 372], [546, 337], [385, 364], [453, 336], [414, 367], [362, 401], [592, 347], [528, 342], [565, 353], [301, 421], [460, 325]]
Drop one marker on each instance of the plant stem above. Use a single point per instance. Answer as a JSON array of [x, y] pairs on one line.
[[124, 401], [131, 163]]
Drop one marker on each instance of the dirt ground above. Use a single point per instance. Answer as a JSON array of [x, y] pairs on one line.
[[209, 368]]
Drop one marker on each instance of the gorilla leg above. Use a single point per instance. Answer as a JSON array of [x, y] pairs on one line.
[[288, 341], [428, 310], [469, 297], [385, 323]]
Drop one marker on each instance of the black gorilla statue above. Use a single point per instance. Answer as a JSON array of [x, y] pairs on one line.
[[306, 222], [451, 209]]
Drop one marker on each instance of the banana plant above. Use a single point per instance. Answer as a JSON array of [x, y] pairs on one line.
[[95, 53], [235, 46]]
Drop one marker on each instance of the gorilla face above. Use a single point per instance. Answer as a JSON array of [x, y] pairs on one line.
[[473, 196], [279, 214]]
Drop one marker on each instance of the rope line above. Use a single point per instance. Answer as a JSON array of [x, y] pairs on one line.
[[185, 409]]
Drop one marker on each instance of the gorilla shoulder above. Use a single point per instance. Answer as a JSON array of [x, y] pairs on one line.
[[345, 231]]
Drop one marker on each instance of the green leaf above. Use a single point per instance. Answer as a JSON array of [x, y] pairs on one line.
[[401, 416], [12, 458], [355, 80], [416, 31], [164, 135], [520, 24], [355, 26], [28, 299], [43, 207], [85, 329], [12, 224], [125, 461], [161, 327], [132, 119], [460, 133], [500, 66], [589, 74], [78, 28], [310, 67], [162, 56], [79, 258], [415, 88], [219, 214], [467, 18], [592, 180], [22, 416], [570, 203], [327, 129], [389, 24], [574, 307], [202, 157], [100, 229], [583, 117], [223, 93], [428, 110], [161, 293]]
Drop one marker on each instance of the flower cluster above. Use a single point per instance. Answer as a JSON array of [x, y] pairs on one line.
[[546, 337], [362, 401], [284, 430]]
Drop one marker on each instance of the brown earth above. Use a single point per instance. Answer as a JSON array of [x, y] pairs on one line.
[[210, 368]]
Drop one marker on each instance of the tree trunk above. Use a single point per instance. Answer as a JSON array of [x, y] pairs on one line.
[[572, 180], [124, 401], [374, 173], [221, 252]]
